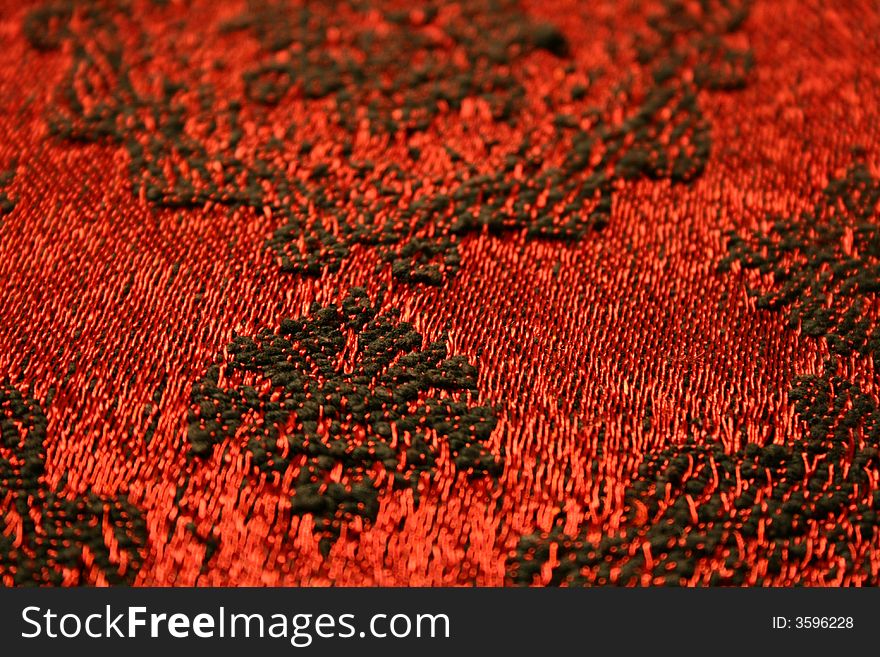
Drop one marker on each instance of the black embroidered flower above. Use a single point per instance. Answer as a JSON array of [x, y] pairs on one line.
[[394, 72], [748, 515], [824, 266], [349, 398], [46, 536]]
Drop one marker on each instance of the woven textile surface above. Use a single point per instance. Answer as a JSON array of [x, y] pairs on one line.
[[493, 292]]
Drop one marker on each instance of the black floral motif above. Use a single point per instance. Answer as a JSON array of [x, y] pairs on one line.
[[379, 71], [811, 500], [698, 503], [46, 534], [398, 80], [824, 265], [349, 398]]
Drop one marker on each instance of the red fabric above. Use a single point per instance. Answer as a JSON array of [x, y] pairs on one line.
[[593, 352]]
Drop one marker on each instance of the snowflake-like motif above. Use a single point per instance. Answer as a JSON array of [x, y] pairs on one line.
[[348, 397]]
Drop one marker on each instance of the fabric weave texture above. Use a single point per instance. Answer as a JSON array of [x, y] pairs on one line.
[[474, 292]]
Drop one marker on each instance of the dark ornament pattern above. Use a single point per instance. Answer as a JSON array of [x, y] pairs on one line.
[[352, 400], [776, 505], [809, 503], [396, 72], [824, 265], [46, 536]]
